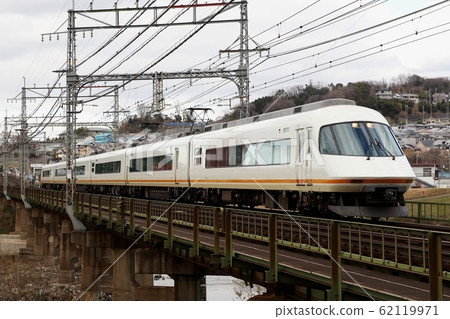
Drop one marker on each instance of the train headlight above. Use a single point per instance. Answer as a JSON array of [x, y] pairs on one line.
[[390, 194], [355, 125]]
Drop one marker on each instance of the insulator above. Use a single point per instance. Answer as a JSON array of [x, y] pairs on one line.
[[50, 37], [84, 34], [57, 37], [42, 39], [92, 33]]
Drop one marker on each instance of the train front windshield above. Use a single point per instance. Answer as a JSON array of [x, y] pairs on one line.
[[358, 139]]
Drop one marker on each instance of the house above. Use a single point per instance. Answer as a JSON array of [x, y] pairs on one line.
[[439, 97], [424, 145], [410, 97], [384, 94], [426, 174]]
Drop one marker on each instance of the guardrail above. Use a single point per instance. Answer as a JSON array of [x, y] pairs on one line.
[[428, 211], [404, 250]]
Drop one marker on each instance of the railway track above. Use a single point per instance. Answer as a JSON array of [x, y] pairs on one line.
[[387, 242]]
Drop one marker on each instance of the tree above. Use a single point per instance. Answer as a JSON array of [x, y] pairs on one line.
[[259, 105], [361, 93], [82, 131], [389, 108]]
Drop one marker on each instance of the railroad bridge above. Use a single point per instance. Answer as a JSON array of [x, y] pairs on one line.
[[295, 258]]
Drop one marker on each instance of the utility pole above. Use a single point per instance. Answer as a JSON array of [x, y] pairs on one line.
[[71, 117], [23, 148], [5, 159], [244, 81], [158, 93]]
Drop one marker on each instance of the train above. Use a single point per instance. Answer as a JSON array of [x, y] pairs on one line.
[[331, 156]]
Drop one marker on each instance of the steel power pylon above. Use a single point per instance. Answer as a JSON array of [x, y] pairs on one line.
[[75, 83], [116, 112], [240, 76]]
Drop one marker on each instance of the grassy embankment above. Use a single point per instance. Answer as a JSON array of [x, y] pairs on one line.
[[432, 212]]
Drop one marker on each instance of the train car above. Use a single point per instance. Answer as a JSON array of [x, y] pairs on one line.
[[325, 156]]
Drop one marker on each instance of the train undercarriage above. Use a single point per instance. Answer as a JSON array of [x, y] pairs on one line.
[[377, 202]]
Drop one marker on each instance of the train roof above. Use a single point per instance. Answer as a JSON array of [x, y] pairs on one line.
[[281, 113]]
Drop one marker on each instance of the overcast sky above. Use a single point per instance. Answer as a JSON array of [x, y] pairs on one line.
[[416, 45]]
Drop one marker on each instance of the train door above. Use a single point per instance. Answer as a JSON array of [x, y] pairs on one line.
[[304, 158], [175, 164]]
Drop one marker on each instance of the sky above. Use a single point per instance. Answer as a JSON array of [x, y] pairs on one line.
[[298, 45]]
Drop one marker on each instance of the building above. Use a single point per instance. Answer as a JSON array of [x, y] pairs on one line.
[[410, 97], [439, 97], [426, 175], [384, 94]]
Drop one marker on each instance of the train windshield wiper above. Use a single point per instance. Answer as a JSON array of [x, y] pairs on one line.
[[370, 149], [382, 147]]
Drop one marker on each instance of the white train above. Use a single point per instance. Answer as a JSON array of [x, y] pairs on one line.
[[325, 156]]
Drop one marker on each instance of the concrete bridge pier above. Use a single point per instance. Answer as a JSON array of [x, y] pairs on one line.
[[186, 274], [37, 215], [133, 277], [17, 207], [23, 222], [50, 239], [29, 228], [68, 254], [188, 287], [96, 258]]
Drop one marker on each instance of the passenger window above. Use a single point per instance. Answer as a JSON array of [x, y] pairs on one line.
[[198, 156]]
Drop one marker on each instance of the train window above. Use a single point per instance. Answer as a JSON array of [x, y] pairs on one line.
[[45, 173], [249, 155], [61, 172], [80, 170], [234, 155], [138, 165], [358, 139], [384, 139], [265, 153], [281, 151], [108, 168], [198, 156], [148, 164], [162, 163], [327, 144], [353, 139]]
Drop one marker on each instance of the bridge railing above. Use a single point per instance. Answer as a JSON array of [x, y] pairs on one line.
[[405, 250], [428, 211]]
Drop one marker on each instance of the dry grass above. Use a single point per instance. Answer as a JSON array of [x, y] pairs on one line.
[[7, 217], [416, 193], [26, 278]]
